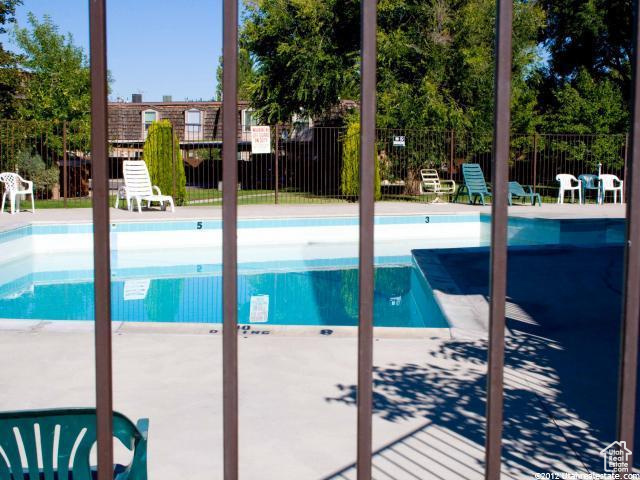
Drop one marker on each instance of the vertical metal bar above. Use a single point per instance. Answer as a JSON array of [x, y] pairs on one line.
[[499, 219], [535, 162], [452, 153], [65, 174], [367, 167], [631, 305], [101, 247], [276, 165], [627, 185], [173, 162], [229, 238]]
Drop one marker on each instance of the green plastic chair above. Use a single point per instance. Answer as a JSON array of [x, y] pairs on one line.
[[75, 425], [517, 190], [474, 183]]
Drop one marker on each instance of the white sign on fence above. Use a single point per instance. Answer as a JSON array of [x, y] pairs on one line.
[[399, 141], [259, 309], [260, 139]]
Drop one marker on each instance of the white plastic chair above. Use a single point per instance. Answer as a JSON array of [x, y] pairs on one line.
[[14, 185], [611, 183], [137, 186], [567, 185], [430, 183]]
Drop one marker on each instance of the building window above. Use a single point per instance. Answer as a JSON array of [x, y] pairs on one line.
[[248, 119], [193, 125], [148, 117]]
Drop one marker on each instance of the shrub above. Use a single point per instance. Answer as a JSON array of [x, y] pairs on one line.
[[159, 157], [350, 175], [32, 167]]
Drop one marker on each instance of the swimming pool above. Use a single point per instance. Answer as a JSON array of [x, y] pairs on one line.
[[300, 272]]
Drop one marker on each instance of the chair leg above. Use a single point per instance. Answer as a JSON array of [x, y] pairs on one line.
[[171, 203], [4, 197], [33, 204]]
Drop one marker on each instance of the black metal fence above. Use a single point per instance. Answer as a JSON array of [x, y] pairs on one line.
[[306, 164], [500, 166]]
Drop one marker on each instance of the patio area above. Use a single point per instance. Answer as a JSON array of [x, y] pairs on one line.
[[76, 215], [297, 392], [297, 399]]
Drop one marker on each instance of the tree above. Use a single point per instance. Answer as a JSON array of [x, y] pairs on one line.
[[306, 53], [593, 35], [350, 174], [163, 157], [245, 76], [589, 47], [435, 60], [10, 75], [59, 85], [586, 105]]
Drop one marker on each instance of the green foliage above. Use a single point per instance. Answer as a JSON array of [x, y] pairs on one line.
[[586, 105], [159, 149], [589, 46], [8, 13], [59, 83], [10, 75], [435, 60], [594, 35], [32, 167], [306, 53], [350, 175], [246, 75]]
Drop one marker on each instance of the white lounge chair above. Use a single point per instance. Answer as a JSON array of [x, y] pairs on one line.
[[137, 186], [430, 183], [567, 185], [14, 185], [611, 183]]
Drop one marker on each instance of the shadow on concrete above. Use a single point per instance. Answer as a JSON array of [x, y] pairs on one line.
[[560, 378]]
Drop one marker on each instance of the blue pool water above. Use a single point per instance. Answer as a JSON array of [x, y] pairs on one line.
[[311, 297], [312, 279]]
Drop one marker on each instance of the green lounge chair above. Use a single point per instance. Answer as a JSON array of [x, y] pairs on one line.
[[76, 425], [517, 190], [474, 183]]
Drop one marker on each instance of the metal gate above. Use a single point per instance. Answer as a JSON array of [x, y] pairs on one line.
[[104, 384]]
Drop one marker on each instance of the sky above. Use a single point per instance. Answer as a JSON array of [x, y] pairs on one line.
[[154, 47]]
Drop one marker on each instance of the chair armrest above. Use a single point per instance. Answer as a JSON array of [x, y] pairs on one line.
[[528, 189], [618, 181], [143, 426], [157, 189]]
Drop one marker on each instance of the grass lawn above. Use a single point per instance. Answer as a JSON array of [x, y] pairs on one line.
[[212, 197]]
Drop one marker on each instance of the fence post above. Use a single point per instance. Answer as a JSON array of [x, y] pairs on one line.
[[65, 173], [452, 153], [276, 165], [173, 161], [626, 155], [535, 161]]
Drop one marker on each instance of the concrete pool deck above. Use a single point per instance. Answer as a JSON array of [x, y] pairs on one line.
[[79, 215], [297, 411], [297, 394]]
